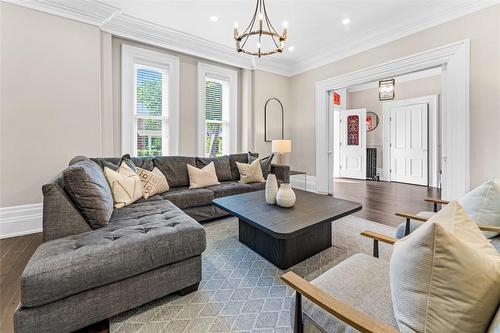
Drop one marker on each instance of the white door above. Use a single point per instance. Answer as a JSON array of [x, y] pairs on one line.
[[409, 144], [353, 143]]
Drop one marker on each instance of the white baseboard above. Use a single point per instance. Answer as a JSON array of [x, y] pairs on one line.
[[298, 181], [20, 220]]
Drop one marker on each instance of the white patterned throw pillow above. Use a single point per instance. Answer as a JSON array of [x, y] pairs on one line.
[[250, 173], [445, 276], [483, 204], [153, 182], [203, 177], [125, 185]]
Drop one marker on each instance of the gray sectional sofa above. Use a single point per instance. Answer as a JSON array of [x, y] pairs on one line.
[[149, 249]]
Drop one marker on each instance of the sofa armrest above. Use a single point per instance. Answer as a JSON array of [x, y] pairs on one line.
[[282, 172], [60, 217], [340, 310]]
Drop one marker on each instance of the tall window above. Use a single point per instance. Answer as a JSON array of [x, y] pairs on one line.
[[217, 123], [149, 102], [151, 110]]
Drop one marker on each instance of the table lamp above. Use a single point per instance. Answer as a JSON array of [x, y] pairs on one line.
[[280, 148]]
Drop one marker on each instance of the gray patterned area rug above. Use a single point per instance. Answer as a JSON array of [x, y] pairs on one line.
[[240, 290]]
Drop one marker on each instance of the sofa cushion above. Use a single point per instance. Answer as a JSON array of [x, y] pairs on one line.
[[184, 197], [229, 188], [265, 162], [153, 182], [222, 166], [114, 163], [233, 158], [360, 281], [199, 178], [85, 183], [258, 186], [125, 185], [175, 169], [140, 237]]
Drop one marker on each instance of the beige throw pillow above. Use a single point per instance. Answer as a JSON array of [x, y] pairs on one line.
[[250, 173], [125, 185], [203, 177], [153, 182], [445, 276]]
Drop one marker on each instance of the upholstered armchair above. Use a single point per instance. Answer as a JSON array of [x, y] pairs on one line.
[[354, 295]]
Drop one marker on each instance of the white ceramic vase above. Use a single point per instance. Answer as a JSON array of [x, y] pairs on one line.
[[285, 196], [271, 189]]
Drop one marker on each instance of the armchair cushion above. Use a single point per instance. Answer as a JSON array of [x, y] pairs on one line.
[[360, 281], [445, 276], [483, 204]]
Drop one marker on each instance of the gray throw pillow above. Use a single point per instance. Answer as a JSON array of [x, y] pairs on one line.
[[222, 167], [265, 163], [233, 158], [86, 185], [115, 163]]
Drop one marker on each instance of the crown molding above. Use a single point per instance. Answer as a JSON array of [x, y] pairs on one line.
[[366, 41], [87, 11], [112, 20], [126, 26], [436, 71]]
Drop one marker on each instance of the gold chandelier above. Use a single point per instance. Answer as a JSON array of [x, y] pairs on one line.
[[260, 26]]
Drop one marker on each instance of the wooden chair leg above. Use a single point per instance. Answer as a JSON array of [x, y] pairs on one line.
[[298, 325]]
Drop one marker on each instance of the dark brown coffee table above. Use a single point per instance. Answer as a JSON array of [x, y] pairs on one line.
[[286, 236]]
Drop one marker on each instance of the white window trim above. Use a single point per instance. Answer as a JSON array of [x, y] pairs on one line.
[[131, 56], [231, 77]]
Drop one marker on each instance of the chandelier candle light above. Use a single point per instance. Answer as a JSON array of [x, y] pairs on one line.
[[260, 26]]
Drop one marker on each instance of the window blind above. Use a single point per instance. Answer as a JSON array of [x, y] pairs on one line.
[[213, 118], [151, 110]]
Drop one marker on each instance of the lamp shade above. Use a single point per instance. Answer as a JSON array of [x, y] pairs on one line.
[[282, 146]]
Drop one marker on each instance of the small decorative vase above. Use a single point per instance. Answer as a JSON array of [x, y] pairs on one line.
[[285, 196], [271, 189]]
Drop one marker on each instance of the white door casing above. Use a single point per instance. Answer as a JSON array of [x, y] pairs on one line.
[[409, 144], [353, 151], [455, 151], [434, 163]]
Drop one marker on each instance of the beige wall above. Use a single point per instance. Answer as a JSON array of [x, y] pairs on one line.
[[369, 99], [482, 28], [265, 86], [50, 107]]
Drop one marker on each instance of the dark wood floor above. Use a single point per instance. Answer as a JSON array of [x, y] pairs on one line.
[[380, 201]]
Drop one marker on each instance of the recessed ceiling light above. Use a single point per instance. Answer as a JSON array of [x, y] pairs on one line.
[[291, 48], [214, 18], [346, 21]]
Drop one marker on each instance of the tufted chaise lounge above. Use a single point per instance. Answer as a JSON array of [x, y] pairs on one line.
[[149, 249]]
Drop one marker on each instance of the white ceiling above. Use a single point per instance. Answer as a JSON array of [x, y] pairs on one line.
[[314, 27]]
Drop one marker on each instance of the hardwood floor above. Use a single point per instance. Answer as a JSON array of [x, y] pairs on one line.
[[380, 201]]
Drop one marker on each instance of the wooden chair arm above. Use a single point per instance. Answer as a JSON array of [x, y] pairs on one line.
[[376, 236], [333, 306], [412, 217], [438, 201], [493, 228]]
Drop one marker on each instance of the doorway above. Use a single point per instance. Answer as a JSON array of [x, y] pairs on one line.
[[455, 150]]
